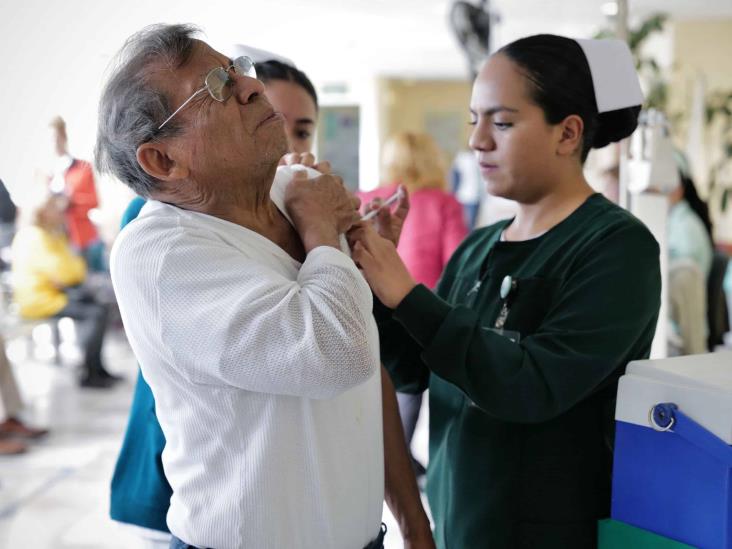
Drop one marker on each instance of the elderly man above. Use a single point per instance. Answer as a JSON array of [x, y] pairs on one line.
[[253, 329]]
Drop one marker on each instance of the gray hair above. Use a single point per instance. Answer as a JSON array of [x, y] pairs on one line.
[[132, 108]]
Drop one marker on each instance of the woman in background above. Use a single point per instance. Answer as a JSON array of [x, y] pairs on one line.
[[435, 224], [690, 253], [690, 233]]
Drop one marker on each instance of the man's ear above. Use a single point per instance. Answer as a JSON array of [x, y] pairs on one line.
[[155, 159], [570, 140]]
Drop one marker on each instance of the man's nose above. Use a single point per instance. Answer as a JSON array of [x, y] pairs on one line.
[[246, 88]]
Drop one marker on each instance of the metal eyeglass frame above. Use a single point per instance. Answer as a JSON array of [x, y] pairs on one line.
[[242, 65]]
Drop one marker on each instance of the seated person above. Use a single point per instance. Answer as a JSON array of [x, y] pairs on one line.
[[47, 283]]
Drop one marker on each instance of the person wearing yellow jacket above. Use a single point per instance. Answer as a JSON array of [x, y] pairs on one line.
[[47, 282]]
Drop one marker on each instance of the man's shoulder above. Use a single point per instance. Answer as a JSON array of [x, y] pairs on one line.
[[154, 228], [161, 229]]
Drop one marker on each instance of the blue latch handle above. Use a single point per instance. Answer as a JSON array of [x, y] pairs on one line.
[[666, 417], [663, 416]]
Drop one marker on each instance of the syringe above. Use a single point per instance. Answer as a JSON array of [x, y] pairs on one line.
[[388, 202]]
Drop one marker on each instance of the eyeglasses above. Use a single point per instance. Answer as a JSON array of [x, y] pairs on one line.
[[218, 82]]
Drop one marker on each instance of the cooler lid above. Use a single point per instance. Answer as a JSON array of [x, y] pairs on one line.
[[700, 385], [712, 371]]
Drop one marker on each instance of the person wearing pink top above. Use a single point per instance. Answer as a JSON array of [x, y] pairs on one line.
[[431, 232], [435, 224]]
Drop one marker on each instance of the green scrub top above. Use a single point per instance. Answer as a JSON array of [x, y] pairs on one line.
[[521, 422]]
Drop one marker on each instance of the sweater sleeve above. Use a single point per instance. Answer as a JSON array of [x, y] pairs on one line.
[[400, 354], [227, 319], [604, 316]]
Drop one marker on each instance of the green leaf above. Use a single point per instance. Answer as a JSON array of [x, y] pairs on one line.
[[604, 33], [653, 24], [710, 112]]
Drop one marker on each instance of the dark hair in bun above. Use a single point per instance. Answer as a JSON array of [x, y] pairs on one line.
[[561, 84], [613, 126], [276, 70]]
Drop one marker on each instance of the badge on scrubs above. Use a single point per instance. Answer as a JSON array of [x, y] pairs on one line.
[[509, 287]]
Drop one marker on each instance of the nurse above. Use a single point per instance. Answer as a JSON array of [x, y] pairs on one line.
[[535, 317]]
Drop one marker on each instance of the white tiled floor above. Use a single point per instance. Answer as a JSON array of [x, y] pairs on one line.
[[56, 495]]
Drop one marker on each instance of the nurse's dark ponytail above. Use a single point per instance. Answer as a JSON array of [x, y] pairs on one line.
[[561, 84]]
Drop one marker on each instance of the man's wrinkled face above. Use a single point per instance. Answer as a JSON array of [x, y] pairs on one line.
[[221, 143]]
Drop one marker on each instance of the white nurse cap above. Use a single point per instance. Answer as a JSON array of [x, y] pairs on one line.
[[613, 74], [257, 55]]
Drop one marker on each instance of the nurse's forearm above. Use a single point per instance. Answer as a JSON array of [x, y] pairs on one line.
[[401, 492], [399, 352]]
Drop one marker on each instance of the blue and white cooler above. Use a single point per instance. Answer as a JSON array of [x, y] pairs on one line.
[[672, 471]]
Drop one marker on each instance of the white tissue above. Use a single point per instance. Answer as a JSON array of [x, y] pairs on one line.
[[277, 193]]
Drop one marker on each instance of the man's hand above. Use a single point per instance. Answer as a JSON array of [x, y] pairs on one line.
[[387, 223], [321, 209]]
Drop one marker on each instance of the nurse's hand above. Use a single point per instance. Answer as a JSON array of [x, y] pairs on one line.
[[383, 268], [388, 223], [306, 159]]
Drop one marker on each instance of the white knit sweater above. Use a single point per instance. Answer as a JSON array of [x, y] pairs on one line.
[[266, 383]]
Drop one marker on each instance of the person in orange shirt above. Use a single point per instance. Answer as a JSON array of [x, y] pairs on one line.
[[75, 179]]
